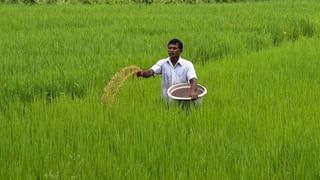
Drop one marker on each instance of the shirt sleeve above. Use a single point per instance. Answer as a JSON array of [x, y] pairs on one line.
[[191, 72], [157, 68]]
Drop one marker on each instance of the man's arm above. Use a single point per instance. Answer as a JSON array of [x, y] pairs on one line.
[[145, 73], [193, 89]]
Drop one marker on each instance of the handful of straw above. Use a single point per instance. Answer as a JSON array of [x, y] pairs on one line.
[[117, 80]]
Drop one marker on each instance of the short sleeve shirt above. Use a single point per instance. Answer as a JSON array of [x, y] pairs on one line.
[[182, 72]]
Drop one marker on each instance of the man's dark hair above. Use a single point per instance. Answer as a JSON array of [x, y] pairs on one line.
[[178, 42]]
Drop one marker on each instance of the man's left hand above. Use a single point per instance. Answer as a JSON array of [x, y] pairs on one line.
[[193, 94]]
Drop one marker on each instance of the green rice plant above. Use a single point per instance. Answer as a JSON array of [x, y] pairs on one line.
[[259, 119]]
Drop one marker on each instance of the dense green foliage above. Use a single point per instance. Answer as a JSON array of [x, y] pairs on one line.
[[259, 61], [148, 2]]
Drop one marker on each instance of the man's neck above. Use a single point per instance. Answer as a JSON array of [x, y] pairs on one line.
[[174, 60]]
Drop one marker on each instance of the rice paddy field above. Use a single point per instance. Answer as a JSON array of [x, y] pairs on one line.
[[260, 62]]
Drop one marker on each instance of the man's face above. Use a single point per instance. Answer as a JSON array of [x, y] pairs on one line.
[[174, 50]]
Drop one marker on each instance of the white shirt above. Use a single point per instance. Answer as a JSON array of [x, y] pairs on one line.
[[182, 72]]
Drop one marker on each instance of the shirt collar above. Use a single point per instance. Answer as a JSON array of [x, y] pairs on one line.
[[179, 62]]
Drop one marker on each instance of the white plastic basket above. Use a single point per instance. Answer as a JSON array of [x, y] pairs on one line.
[[181, 91]]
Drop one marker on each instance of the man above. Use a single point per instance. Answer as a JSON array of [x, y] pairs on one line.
[[174, 70]]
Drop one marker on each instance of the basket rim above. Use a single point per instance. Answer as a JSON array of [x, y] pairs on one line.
[[183, 85]]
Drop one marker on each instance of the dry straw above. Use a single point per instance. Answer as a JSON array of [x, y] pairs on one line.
[[117, 80]]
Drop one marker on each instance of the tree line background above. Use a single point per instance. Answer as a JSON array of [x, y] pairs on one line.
[[119, 1]]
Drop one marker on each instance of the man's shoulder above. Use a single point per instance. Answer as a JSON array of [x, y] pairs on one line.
[[161, 61], [186, 62]]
